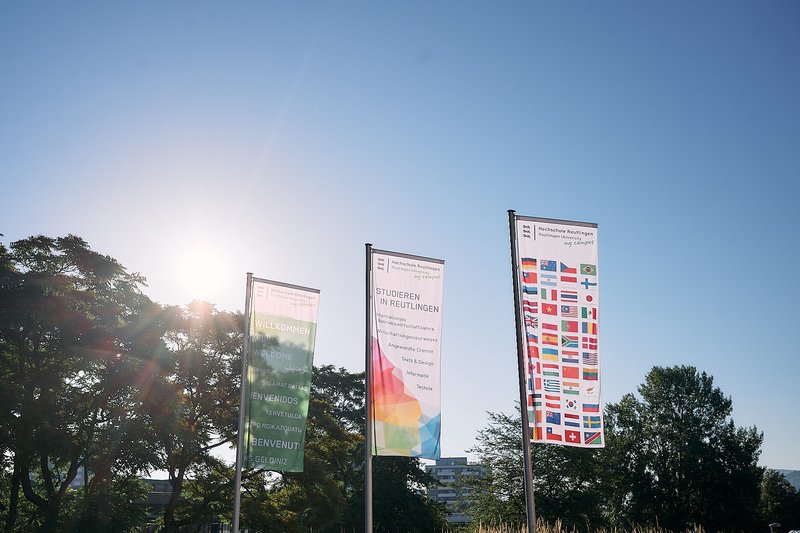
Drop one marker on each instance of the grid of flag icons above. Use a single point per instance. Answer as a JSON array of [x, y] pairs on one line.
[[560, 310]]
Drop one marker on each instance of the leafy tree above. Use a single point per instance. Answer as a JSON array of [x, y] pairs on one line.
[[399, 503], [498, 494], [676, 456], [193, 403], [566, 480], [207, 494], [779, 501], [76, 337], [127, 513]]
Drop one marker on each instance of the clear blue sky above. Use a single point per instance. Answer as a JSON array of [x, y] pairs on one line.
[[200, 140]]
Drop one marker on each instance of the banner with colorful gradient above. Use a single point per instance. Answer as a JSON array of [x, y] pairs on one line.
[[560, 299], [283, 328], [406, 316]]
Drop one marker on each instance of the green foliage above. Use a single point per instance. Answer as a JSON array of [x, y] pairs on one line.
[[567, 481], [75, 335], [192, 404], [114, 508], [673, 459], [498, 494], [779, 501], [677, 457]]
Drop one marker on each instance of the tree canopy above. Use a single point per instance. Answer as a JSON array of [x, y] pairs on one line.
[[673, 458], [685, 461], [75, 337]]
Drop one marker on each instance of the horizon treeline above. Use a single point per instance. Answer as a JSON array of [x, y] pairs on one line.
[[98, 377]]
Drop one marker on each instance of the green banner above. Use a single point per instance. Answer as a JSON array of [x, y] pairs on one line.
[[283, 327]]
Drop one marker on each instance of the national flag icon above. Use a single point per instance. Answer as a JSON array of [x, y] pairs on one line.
[[588, 270], [569, 279], [549, 326], [591, 421], [571, 387], [528, 262], [590, 389], [572, 436], [570, 372], [553, 417], [533, 352], [568, 270], [593, 437], [549, 309], [570, 326], [569, 311], [551, 435], [569, 296], [535, 432], [589, 298], [589, 312], [549, 294], [547, 265], [590, 358], [551, 385], [530, 289], [589, 343], [591, 407], [589, 327], [572, 420], [550, 338], [529, 277], [532, 338], [552, 397], [590, 374], [569, 357], [551, 354], [549, 280], [537, 383], [569, 341], [550, 369], [530, 306], [571, 404], [588, 284], [532, 321]]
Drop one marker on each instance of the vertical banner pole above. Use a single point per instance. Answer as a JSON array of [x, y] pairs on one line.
[[523, 395], [237, 483], [368, 399]]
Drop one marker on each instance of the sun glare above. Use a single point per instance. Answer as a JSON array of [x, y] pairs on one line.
[[202, 271]]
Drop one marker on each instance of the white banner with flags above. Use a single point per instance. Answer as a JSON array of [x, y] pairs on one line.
[[559, 285], [406, 316]]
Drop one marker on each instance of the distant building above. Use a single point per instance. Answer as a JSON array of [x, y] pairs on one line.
[[447, 471], [158, 498]]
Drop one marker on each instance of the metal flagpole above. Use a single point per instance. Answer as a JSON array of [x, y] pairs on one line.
[[237, 482], [523, 395], [368, 400]]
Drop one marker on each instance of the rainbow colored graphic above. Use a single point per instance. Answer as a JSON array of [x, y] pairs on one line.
[[401, 424]]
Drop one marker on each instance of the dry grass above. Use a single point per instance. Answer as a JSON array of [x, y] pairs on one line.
[[557, 527]]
